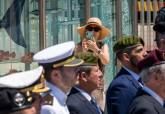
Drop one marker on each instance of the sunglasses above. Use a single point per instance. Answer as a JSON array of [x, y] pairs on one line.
[[96, 29]]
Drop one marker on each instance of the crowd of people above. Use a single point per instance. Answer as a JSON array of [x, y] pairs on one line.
[[138, 88], [69, 73]]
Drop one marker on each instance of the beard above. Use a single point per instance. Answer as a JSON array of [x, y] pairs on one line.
[[133, 61]]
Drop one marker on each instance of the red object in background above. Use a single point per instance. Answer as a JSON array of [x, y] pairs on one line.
[[161, 4]]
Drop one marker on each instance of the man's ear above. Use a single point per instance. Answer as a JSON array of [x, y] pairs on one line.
[[55, 74], [126, 56], [83, 76]]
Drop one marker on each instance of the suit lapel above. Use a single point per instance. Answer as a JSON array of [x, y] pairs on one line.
[[134, 82], [122, 72], [86, 103]]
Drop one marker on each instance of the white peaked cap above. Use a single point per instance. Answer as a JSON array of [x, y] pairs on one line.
[[55, 53], [58, 55], [21, 79]]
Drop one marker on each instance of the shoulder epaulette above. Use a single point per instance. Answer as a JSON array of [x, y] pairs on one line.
[[48, 99]]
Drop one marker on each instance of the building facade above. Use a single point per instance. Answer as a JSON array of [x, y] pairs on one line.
[[27, 26]]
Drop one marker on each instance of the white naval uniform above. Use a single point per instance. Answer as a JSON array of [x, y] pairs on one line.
[[59, 102]]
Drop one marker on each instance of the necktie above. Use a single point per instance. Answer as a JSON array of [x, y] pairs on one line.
[[93, 102], [140, 80]]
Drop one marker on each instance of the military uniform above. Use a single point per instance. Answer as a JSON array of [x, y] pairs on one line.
[[58, 103], [60, 55], [18, 90]]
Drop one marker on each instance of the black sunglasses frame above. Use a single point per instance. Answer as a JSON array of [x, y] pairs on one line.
[[96, 29]]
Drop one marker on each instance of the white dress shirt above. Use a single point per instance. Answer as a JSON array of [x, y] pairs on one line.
[[59, 102], [85, 94], [88, 97]]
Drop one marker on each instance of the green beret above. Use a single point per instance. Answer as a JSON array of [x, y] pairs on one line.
[[88, 57], [127, 42]]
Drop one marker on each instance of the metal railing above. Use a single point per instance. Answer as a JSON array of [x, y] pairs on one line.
[[146, 13]]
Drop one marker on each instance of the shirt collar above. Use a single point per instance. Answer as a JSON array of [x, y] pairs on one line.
[[85, 94], [153, 94], [58, 93], [133, 74]]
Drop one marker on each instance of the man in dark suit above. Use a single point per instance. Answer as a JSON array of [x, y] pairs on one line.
[[80, 100], [129, 50], [150, 99]]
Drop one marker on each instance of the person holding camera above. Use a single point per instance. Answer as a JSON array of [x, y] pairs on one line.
[[92, 35]]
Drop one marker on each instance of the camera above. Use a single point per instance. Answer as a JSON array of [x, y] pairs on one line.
[[89, 35]]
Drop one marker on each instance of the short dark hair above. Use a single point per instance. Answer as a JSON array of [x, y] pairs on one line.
[[17, 112], [47, 73], [128, 51], [84, 68]]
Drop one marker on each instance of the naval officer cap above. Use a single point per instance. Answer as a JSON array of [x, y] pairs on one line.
[[18, 90], [58, 55]]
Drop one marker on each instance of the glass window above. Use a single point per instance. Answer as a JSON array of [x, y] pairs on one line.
[[19, 29], [62, 19], [105, 10], [19, 33]]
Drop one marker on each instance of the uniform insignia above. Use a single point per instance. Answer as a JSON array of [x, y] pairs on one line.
[[19, 90], [48, 99], [19, 99]]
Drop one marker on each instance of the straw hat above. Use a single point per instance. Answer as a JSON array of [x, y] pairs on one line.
[[94, 21]]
